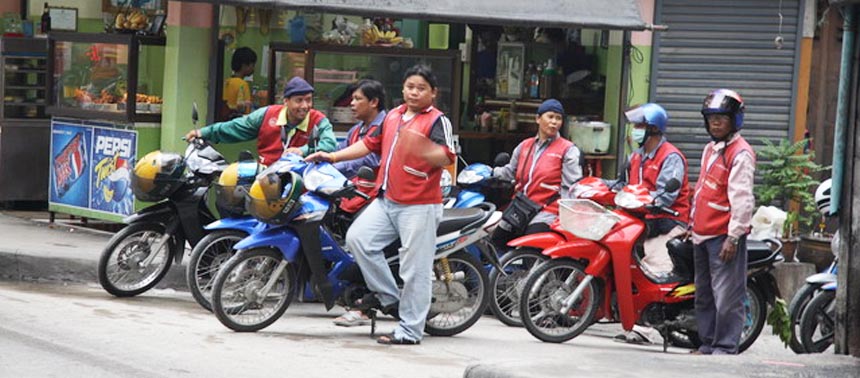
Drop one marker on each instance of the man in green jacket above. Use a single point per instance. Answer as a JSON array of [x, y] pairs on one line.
[[293, 127]]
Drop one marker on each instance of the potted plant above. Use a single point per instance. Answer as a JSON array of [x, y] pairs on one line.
[[786, 171]]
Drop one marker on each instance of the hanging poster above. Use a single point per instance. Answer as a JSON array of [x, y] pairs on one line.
[[70, 164], [113, 155]]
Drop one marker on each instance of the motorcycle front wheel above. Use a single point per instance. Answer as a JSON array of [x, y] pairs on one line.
[[128, 266], [506, 289], [459, 302], [795, 311], [206, 260], [818, 322], [253, 289], [541, 303]]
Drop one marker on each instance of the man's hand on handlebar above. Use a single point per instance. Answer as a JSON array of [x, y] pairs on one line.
[[192, 135], [320, 156]]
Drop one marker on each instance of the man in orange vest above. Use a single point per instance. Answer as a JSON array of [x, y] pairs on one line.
[[294, 127], [722, 208], [653, 165]]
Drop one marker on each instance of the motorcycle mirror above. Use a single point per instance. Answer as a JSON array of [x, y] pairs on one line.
[[245, 156], [366, 173], [194, 114], [502, 158], [672, 185]]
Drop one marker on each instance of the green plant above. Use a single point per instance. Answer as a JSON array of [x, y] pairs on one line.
[[786, 177], [780, 321]]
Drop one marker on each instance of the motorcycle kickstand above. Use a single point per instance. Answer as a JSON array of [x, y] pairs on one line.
[[372, 315], [665, 334]]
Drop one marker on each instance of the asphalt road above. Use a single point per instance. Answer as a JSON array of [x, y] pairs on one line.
[[51, 330]]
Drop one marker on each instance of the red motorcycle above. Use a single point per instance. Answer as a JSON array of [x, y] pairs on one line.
[[594, 273]]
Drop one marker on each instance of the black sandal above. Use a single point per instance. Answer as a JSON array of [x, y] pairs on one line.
[[389, 339]]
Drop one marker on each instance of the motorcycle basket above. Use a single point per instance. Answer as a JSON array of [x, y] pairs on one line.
[[585, 218]]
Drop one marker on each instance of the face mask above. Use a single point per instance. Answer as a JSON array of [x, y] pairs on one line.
[[638, 135]]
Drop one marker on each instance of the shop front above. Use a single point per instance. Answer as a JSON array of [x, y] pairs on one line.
[[116, 94]]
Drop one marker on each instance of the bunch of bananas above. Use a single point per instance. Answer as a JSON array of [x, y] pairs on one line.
[[374, 36], [131, 20]]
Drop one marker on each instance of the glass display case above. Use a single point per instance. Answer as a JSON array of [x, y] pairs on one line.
[[114, 77], [23, 79], [331, 69]]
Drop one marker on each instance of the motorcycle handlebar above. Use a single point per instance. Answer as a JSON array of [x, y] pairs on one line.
[[663, 209]]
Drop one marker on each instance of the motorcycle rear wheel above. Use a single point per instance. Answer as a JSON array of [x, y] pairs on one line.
[[542, 294], [506, 290], [469, 308], [818, 322], [795, 311], [207, 257], [119, 269], [236, 296], [755, 317]]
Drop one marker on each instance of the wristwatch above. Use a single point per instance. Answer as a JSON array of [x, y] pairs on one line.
[[734, 240]]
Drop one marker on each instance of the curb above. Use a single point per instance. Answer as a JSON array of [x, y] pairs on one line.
[[15, 266]]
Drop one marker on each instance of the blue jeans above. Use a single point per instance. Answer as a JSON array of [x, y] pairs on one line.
[[382, 222]]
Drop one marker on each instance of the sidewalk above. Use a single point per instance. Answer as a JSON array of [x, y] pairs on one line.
[[35, 250]]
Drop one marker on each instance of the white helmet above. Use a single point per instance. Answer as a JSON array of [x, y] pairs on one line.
[[822, 196]]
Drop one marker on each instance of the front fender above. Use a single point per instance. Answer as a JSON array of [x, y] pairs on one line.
[[821, 278], [282, 238], [541, 240], [829, 287], [247, 224], [157, 213], [579, 249]]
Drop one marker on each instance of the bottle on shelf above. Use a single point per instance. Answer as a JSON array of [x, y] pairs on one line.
[[533, 81], [548, 80], [46, 20]]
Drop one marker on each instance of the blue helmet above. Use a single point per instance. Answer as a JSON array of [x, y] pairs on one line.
[[651, 114], [724, 101]]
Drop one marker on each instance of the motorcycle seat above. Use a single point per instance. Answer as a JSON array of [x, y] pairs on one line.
[[458, 219], [760, 252]]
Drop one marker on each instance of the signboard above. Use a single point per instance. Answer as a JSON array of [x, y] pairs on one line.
[[91, 166]]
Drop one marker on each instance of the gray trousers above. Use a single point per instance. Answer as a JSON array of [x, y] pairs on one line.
[[720, 294], [382, 222]]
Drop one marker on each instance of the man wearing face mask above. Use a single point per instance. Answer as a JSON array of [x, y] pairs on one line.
[[653, 165]]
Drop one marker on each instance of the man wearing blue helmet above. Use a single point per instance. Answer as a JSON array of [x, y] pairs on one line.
[[722, 209], [653, 165]]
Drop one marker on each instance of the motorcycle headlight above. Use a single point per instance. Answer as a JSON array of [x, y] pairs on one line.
[[628, 200], [468, 177]]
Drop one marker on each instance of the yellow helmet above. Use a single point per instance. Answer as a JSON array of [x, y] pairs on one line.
[[233, 184], [274, 196], [157, 175]]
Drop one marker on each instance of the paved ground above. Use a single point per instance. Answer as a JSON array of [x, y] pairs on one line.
[[31, 250]]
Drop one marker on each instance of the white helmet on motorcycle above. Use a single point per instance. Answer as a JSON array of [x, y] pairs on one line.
[[822, 196]]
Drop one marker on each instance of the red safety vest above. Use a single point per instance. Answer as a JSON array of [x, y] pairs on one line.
[[545, 180], [269, 144], [712, 208], [650, 172], [411, 180]]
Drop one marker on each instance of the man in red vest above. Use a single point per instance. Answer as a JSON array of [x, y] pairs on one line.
[[653, 165], [293, 127], [722, 208], [415, 144], [544, 168]]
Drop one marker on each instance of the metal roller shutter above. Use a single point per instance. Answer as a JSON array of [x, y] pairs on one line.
[[725, 44]]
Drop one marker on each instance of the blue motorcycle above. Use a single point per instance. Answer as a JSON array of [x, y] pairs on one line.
[[813, 312], [255, 287], [216, 247]]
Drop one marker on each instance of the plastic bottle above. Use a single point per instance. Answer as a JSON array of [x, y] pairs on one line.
[[548, 80], [46, 20], [533, 81]]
